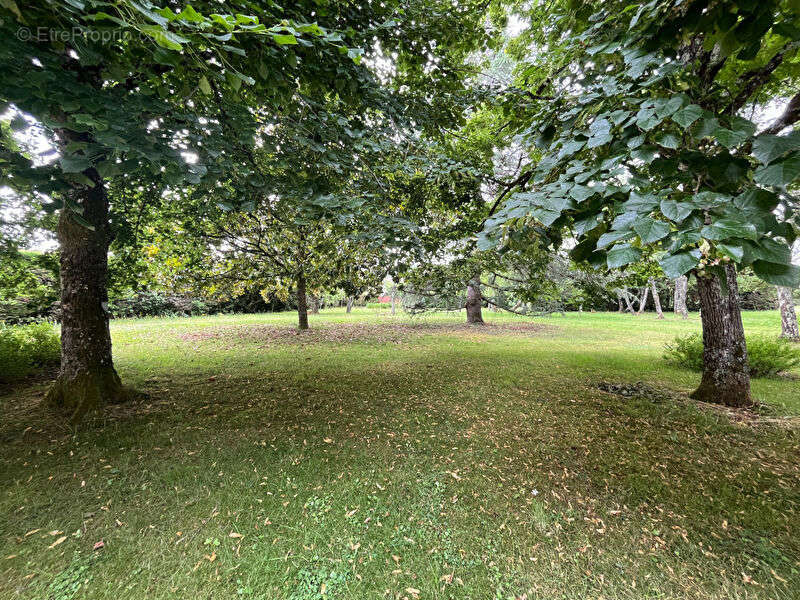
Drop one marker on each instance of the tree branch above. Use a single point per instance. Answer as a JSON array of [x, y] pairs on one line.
[[790, 115]]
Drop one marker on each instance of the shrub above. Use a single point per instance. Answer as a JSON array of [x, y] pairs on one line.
[[766, 355], [25, 347]]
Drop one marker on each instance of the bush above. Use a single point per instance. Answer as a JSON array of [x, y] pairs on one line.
[[766, 355], [25, 347]]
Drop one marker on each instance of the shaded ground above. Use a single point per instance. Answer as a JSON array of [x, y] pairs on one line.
[[451, 465]]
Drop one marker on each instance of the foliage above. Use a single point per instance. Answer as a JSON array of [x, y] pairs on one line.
[[153, 304], [634, 116], [766, 355], [25, 347], [28, 286]]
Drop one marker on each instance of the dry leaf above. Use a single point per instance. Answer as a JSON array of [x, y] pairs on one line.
[[233, 534], [57, 542], [413, 591], [98, 545]]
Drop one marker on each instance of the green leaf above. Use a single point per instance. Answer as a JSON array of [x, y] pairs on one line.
[[612, 236], [74, 164], [163, 37], [11, 5], [650, 230], [284, 39], [779, 174], [668, 140], [190, 15], [772, 251], [619, 256], [680, 263], [586, 224], [646, 154], [756, 200], [735, 251], [707, 199], [767, 148], [725, 229], [688, 115], [204, 85], [729, 138], [777, 274], [570, 148], [676, 211], [581, 192]]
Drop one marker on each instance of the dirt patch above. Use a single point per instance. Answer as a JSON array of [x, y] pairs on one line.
[[357, 333], [637, 390], [753, 416]]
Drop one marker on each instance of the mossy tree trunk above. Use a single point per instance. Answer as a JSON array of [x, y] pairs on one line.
[[302, 306], [350, 301], [86, 380], [474, 302], [726, 375]]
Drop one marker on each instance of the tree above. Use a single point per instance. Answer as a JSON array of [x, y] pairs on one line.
[[789, 329], [679, 299], [125, 97], [636, 113]]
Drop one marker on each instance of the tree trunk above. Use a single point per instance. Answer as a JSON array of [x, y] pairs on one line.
[[726, 375], [302, 306], [86, 380], [314, 304], [394, 293], [350, 301], [789, 328], [656, 299], [679, 301], [626, 295], [643, 299], [474, 302], [619, 302]]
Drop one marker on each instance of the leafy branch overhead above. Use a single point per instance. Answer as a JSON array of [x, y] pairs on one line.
[[643, 138]]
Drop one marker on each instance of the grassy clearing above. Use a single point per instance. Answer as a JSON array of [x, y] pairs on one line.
[[382, 457]]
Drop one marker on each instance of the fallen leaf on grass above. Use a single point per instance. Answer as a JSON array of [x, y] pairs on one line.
[[57, 542], [98, 545], [413, 591], [233, 534]]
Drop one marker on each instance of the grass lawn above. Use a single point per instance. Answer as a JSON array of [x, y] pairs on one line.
[[389, 457]]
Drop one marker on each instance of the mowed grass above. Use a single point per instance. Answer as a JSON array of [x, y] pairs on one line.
[[390, 457]]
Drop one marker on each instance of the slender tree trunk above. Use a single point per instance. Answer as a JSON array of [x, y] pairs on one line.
[[86, 380], [643, 299], [314, 304], [394, 293], [789, 328], [350, 301], [726, 375], [619, 302], [626, 295], [474, 302], [656, 298], [679, 301], [302, 305]]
